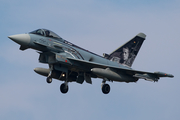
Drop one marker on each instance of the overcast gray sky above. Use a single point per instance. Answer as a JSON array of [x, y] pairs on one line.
[[99, 26]]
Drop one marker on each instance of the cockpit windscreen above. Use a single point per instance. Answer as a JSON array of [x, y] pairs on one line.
[[46, 33]]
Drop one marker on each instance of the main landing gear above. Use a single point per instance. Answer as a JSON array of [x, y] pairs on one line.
[[64, 88], [105, 87]]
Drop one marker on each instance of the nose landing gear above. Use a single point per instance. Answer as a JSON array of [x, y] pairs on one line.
[[48, 80], [49, 77]]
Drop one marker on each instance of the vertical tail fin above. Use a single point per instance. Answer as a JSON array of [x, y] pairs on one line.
[[127, 53]]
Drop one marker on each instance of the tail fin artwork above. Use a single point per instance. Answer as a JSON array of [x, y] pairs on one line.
[[127, 53]]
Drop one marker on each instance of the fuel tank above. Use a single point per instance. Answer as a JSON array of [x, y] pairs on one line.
[[110, 74], [45, 72], [56, 74]]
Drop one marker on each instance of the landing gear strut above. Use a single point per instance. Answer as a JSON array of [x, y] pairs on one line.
[[64, 87], [49, 78], [105, 87]]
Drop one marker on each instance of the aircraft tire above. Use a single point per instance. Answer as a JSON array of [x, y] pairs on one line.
[[105, 88], [49, 80], [64, 88]]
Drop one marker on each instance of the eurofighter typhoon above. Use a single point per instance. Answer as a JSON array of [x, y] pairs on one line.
[[71, 63]]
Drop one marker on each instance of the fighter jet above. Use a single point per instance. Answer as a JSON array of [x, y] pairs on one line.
[[70, 63]]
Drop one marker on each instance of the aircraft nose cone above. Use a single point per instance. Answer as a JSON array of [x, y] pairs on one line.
[[22, 39]]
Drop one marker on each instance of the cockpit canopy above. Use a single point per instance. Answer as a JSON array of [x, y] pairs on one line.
[[46, 33]]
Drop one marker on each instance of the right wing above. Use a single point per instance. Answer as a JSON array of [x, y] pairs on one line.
[[134, 73]]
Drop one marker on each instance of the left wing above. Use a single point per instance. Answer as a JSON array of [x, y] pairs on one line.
[[134, 73]]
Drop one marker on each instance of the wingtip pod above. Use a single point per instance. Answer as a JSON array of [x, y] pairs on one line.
[[162, 74], [142, 35]]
